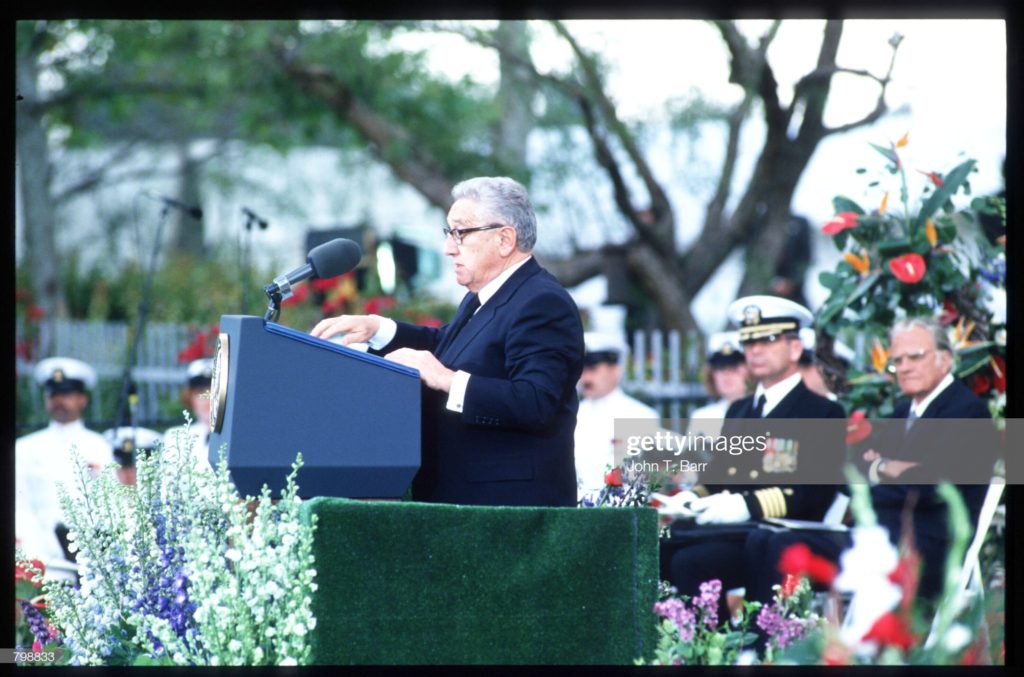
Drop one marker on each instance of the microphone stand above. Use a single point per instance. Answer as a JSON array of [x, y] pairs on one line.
[[128, 399]]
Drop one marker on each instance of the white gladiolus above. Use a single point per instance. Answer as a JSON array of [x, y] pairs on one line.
[[865, 570]]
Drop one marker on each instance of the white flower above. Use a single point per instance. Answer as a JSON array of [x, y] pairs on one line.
[[234, 646], [865, 570], [233, 554], [957, 637], [288, 661]]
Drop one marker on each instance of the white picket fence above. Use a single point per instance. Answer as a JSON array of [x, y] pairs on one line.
[[662, 369]]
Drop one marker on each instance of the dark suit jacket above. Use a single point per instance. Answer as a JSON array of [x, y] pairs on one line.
[[513, 442], [938, 450], [800, 501]]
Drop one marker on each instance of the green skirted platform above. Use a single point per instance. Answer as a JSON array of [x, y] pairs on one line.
[[411, 583]]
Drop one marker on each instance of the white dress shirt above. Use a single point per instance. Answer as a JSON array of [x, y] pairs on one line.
[[777, 393], [460, 381]]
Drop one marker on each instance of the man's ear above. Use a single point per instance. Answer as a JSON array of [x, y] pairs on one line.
[[509, 238]]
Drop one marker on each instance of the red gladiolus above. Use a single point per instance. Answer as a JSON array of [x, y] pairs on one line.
[[840, 222], [858, 428], [909, 268], [798, 560], [613, 477], [891, 630]]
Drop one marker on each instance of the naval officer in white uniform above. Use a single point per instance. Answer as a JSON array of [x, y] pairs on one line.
[[43, 458], [603, 402]]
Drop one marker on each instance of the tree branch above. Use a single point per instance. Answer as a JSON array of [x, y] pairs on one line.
[[415, 167]]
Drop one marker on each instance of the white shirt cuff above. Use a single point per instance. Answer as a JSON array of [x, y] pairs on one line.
[[460, 380], [385, 333], [873, 470]]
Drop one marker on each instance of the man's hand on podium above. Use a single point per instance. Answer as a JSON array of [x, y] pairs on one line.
[[434, 374], [357, 328]]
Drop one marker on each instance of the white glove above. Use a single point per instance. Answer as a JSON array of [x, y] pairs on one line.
[[721, 509], [676, 505]]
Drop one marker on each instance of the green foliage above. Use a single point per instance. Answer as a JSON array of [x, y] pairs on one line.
[[904, 264]]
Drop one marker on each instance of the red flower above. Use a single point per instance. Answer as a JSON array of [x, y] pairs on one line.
[[789, 585], [933, 176], [34, 312], [21, 574], [298, 296], [840, 222], [858, 428], [909, 268], [891, 630], [906, 575], [949, 313], [613, 477], [798, 560], [999, 371], [324, 284], [980, 384], [378, 304]]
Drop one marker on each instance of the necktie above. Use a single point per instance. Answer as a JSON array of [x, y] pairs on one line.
[[469, 305], [759, 407], [911, 417]]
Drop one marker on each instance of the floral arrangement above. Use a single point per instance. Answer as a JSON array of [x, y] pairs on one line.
[[884, 622], [691, 633], [622, 488], [180, 570], [936, 261]]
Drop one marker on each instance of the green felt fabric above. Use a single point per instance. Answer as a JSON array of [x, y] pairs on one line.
[[410, 583]]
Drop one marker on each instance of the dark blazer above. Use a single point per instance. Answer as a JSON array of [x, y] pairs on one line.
[[513, 442], [934, 449], [801, 501]]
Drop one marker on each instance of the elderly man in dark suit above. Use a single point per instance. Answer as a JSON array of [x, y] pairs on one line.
[[909, 458], [500, 404]]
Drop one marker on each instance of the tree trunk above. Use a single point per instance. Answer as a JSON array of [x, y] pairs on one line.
[[515, 92], [36, 178], [188, 233]]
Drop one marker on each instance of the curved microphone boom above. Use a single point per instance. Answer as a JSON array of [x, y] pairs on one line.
[[336, 257]]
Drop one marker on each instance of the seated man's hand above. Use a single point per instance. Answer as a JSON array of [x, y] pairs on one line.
[[720, 508], [676, 505]]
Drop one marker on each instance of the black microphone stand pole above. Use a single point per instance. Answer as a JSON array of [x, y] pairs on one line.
[[128, 400]]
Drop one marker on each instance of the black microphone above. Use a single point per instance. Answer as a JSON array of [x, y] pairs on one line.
[[193, 211], [255, 218], [336, 257]]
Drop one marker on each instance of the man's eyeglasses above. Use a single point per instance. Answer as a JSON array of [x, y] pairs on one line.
[[911, 358], [459, 233]]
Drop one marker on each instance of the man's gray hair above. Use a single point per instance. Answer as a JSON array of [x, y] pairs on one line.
[[504, 200], [932, 326]]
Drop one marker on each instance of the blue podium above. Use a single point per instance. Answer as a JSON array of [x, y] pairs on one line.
[[277, 392]]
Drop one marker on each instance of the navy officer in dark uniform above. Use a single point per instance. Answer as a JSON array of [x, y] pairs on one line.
[[728, 514]]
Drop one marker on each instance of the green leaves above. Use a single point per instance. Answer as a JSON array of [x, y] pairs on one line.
[[951, 184]]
